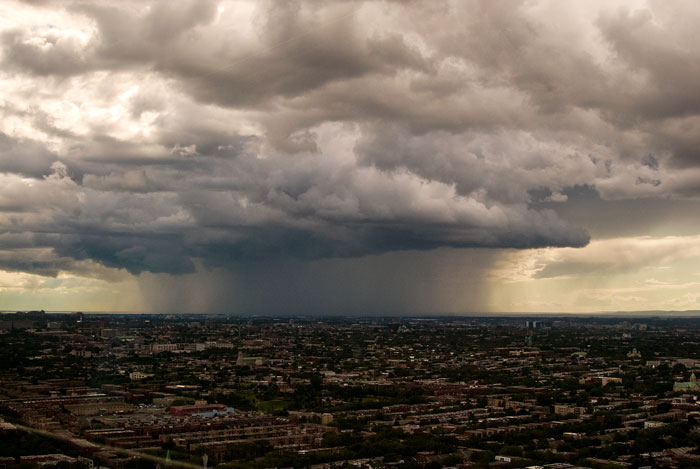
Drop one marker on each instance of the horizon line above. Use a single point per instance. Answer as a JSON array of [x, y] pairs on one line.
[[546, 314]]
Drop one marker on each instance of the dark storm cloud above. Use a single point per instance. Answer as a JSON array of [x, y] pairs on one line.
[[156, 220], [24, 157], [159, 136]]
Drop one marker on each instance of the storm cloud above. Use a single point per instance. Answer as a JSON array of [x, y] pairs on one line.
[[161, 137]]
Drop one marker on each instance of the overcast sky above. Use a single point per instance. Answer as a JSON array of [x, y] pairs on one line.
[[350, 157]]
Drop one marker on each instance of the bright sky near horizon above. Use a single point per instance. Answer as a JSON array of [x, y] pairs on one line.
[[349, 156]]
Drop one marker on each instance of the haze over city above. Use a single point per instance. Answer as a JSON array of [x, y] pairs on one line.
[[336, 157]]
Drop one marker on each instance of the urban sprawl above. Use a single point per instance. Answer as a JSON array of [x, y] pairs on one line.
[[131, 391]]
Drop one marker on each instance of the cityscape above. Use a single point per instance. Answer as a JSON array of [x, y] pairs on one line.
[[349, 234], [131, 391]]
